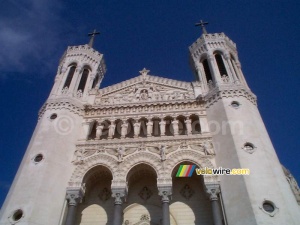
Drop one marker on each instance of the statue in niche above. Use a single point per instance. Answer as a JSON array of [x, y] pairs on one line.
[[136, 128], [124, 128], [111, 130]]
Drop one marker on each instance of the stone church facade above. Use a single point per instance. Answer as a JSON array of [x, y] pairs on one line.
[[111, 155]]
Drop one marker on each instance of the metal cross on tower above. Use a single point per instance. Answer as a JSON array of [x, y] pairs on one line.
[[202, 25], [93, 34]]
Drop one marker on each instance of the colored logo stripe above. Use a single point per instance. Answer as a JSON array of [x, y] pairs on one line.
[[185, 171]]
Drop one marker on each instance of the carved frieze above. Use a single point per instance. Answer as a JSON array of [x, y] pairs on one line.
[[120, 151]]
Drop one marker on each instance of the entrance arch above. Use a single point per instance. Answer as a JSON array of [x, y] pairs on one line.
[[97, 205], [189, 204], [143, 203]]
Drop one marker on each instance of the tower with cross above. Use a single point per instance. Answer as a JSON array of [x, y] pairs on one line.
[[133, 153]]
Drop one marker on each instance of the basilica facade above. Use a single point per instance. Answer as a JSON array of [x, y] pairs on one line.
[[117, 154]]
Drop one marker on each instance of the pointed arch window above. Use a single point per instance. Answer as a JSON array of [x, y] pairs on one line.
[[221, 65], [207, 70], [70, 76], [83, 79]]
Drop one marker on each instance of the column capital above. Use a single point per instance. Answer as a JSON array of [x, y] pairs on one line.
[[165, 192], [118, 194], [213, 190], [75, 195]]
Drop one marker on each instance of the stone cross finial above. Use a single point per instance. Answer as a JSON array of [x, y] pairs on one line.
[[93, 34], [202, 25], [144, 71]]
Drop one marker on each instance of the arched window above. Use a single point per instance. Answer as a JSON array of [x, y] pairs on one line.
[[70, 76], [221, 64], [83, 79], [207, 70]]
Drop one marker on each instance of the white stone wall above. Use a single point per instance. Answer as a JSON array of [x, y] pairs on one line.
[[40, 189], [243, 195]]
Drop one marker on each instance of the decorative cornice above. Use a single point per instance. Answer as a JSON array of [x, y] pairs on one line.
[[166, 108], [229, 91], [210, 42], [58, 104]]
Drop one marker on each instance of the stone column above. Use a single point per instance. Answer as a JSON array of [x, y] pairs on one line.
[[149, 128], [214, 69], [213, 190], [229, 67], [162, 126], [175, 127], [188, 124], [99, 129], [73, 196], [118, 194], [165, 192], [136, 128]]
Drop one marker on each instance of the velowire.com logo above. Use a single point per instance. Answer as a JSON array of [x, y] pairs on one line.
[[187, 171]]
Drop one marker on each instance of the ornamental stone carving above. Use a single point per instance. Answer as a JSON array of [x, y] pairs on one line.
[[145, 88]]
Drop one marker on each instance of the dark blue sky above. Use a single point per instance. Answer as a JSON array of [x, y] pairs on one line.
[[151, 34]]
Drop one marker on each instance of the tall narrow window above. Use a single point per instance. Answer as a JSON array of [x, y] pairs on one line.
[[70, 76], [95, 81], [83, 79], [207, 70], [221, 65]]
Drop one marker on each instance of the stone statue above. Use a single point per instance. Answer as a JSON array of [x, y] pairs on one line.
[[208, 148], [121, 153], [99, 131], [175, 127], [78, 156], [162, 152], [149, 127], [136, 128], [111, 130], [162, 125], [124, 128], [188, 125]]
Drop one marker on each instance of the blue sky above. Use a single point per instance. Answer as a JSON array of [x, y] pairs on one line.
[[151, 34]]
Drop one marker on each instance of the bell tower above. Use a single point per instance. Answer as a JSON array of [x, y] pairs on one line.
[[240, 137], [46, 168], [80, 72], [214, 60]]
